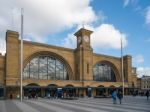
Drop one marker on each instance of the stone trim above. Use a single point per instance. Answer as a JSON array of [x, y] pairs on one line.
[[47, 45]]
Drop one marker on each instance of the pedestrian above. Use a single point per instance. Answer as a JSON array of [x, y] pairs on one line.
[[49, 96], [11, 96], [120, 96], [147, 94], [114, 97]]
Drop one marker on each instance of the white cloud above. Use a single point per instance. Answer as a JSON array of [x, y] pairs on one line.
[[126, 2], [138, 59], [70, 41], [42, 17], [143, 71], [148, 15], [104, 36], [134, 4], [2, 46], [101, 17], [107, 36]]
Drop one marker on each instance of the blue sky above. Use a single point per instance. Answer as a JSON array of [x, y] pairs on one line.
[[129, 19], [54, 22]]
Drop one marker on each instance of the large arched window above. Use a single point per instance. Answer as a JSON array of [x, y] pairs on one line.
[[45, 67], [103, 72]]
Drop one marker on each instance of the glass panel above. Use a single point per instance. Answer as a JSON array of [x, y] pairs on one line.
[[42, 67], [51, 68], [26, 71], [33, 69], [103, 72], [45, 67], [65, 74]]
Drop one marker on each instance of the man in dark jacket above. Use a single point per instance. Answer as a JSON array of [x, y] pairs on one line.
[[147, 94], [120, 96]]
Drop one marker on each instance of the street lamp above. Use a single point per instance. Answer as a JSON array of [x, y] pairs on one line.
[[122, 71], [21, 60]]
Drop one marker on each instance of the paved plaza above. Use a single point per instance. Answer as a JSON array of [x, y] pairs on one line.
[[130, 104]]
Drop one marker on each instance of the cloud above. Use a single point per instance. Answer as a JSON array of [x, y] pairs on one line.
[[148, 16], [143, 71], [107, 36], [138, 59], [104, 36], [2, 46], [44, 17], [134, 3], [101, 18], [126, 2], [70, 41]]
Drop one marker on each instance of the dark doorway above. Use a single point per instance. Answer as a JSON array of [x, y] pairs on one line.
[[69, 91], [51, 91], [1, 92], [32, 91], [100, 91], [89, 92]]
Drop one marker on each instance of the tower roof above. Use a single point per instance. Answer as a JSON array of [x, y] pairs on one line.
[[83, 31]]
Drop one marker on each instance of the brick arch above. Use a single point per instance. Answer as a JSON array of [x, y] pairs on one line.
[[116, 71], [52, 85], [32, 84], [101, 86], [112, 86], [48, 53], [69, 85]]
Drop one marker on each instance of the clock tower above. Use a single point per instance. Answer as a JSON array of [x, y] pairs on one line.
[[84, 55], [83, 38]]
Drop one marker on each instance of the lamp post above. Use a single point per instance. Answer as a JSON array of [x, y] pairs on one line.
[[21, 60], [122, 72]]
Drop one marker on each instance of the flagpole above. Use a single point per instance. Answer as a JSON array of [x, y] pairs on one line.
[[122, 72], [21, 55]]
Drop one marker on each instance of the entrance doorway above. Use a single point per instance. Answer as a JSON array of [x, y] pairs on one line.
[[32, 91], [100, 91], [69, 91], [89, 91], [51, 91], [1, 92]]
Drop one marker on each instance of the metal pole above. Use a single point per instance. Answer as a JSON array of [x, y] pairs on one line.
[[122, 72], [82, 73], [21, 55]]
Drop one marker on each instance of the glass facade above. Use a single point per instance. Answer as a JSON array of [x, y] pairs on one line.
[[45, 67], [103, 72]]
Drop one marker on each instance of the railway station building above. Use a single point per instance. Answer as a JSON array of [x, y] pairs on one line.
[[48, 69]]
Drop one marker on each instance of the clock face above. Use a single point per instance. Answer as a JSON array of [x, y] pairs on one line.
[[79, 40], [86, 38]]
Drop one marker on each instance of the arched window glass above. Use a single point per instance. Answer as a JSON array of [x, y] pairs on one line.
[[45, 67], [103, 72]]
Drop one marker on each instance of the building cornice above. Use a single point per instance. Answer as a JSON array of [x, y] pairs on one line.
[[48, 46], [95, 54]]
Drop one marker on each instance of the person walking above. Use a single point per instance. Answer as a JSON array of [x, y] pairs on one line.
[[120, 96], [147, 94], [114, 97]]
